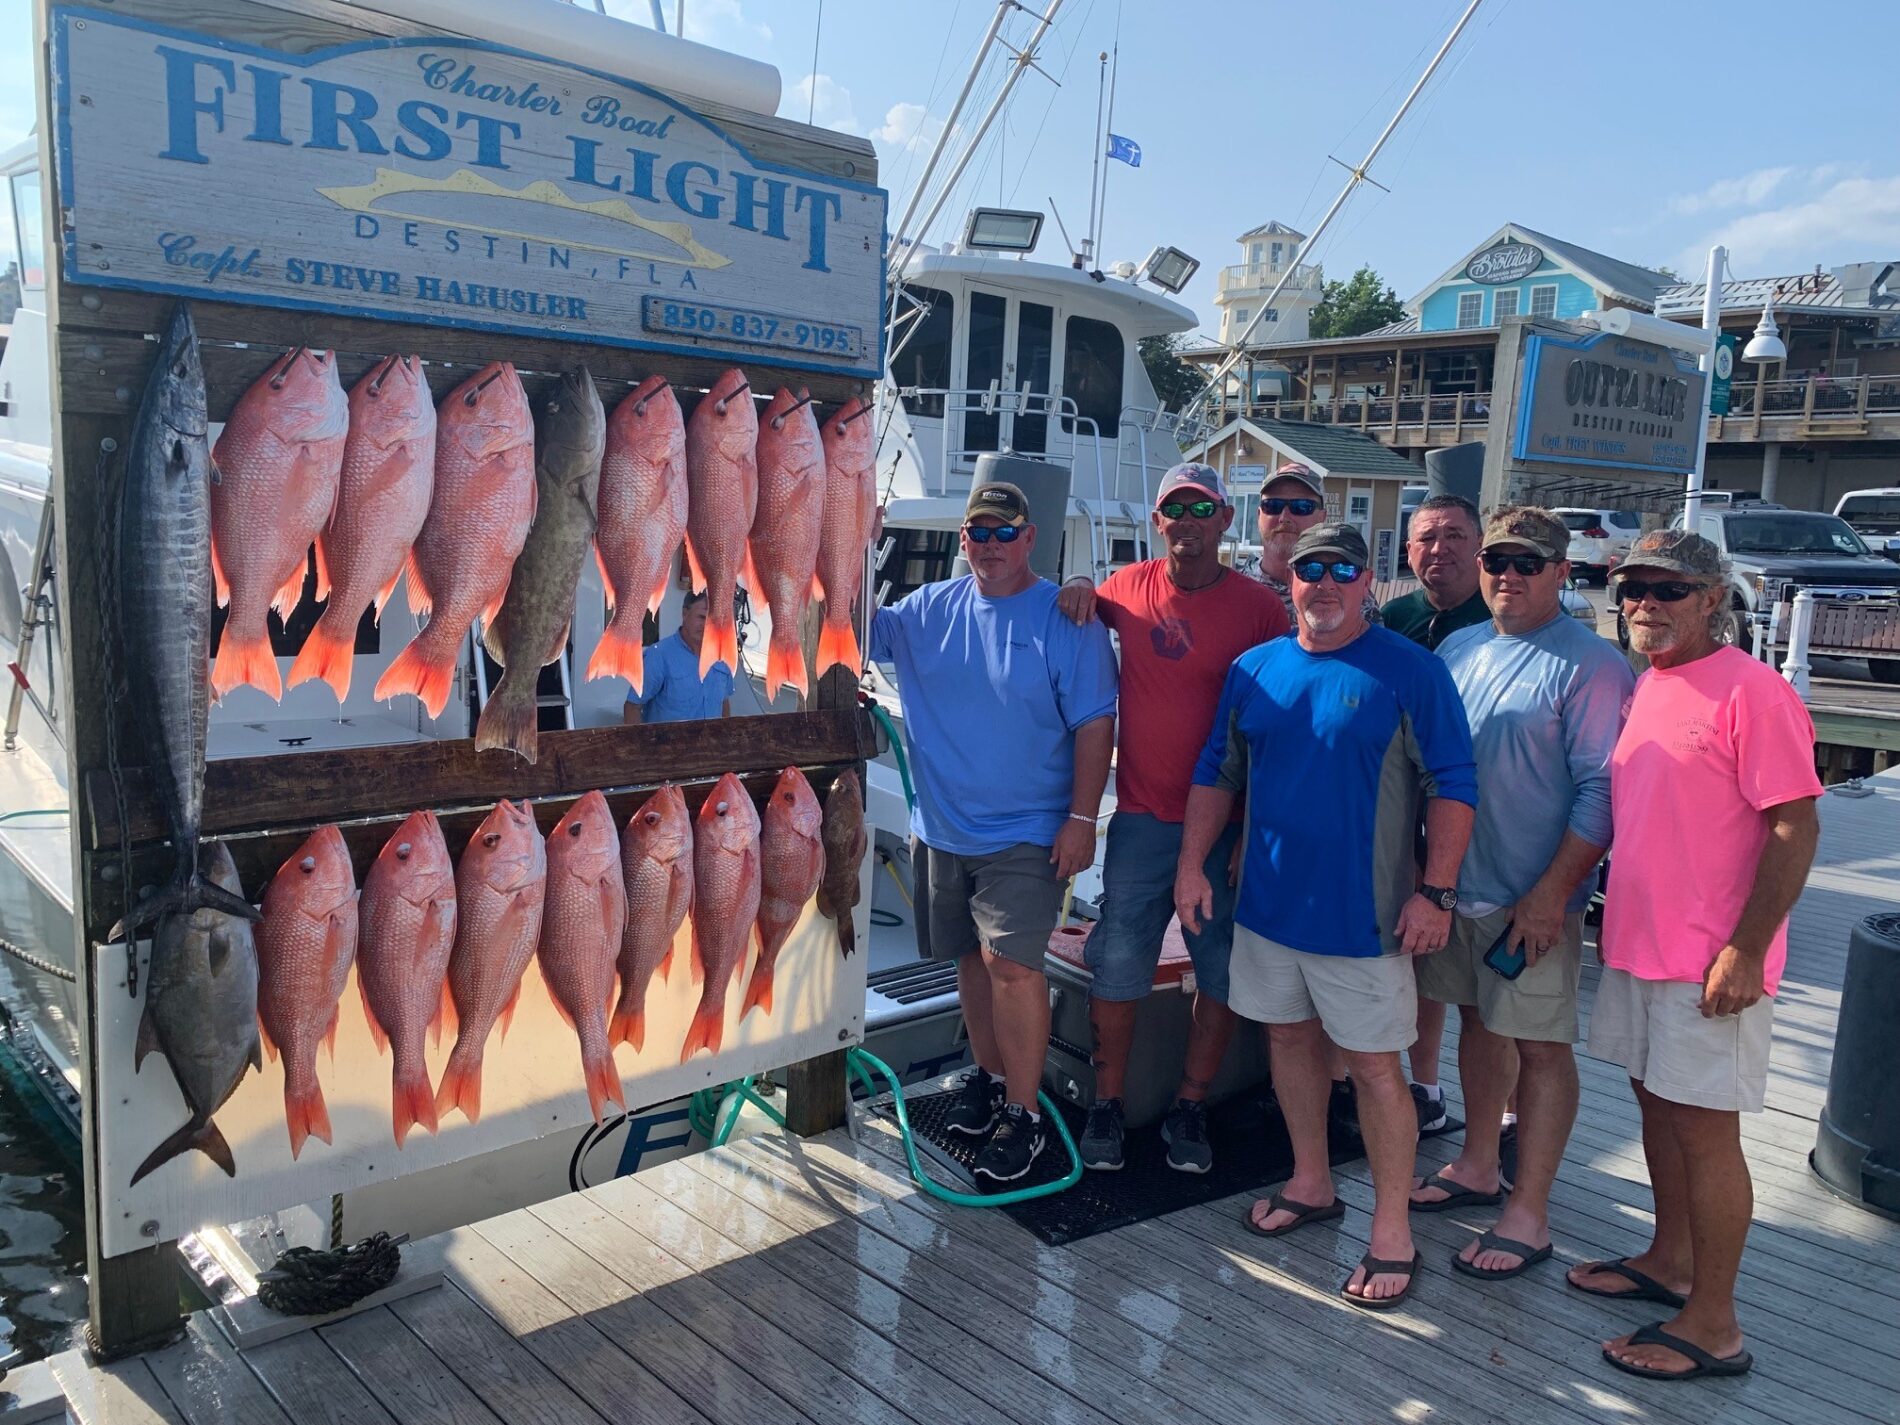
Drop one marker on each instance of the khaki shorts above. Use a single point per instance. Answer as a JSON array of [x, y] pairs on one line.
[[1367, 1004], [1654, 1030], [1007, 902], [1540, 1004]]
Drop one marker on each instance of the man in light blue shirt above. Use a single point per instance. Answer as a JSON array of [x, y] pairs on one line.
[[672, 689], [1545, 697], [1009, 713]]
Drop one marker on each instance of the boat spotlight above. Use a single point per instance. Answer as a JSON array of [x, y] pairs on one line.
[[1002, 230], [1170, 269]]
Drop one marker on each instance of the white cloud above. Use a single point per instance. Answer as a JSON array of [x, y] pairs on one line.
[[1851, 220], [1747, 191], [826, 100], [908, 126]]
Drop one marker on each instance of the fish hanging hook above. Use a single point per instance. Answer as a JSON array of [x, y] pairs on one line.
[[282, 373], [863, 410], [481, 386], [382, 374], [719, 406], [640, 406], [778, 421]]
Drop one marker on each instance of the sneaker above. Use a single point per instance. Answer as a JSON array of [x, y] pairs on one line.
[[1184, 1130], [974, 1112], [1101, 1141], [1432, 1114], [1012, 1148]]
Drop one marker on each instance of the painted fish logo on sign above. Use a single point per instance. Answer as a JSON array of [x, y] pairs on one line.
[[444, 180]]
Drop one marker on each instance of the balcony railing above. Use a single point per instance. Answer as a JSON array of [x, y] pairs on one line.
[[1813, 405], [1260, 277]]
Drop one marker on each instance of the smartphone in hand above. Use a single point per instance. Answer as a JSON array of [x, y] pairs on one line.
[[1506, 961]]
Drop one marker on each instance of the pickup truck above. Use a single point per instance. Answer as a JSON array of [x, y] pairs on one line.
[[1875, 516], [1773, 551]]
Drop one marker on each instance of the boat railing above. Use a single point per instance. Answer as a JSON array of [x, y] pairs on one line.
[[1172, 433]]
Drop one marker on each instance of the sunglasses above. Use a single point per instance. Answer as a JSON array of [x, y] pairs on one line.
[[1666, 591], [1529, 565], [983, 533], [1200, 509], [1311, 571], [1278, 506]]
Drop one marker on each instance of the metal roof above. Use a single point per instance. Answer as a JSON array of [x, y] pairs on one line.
[[1621, 279], [1807, 290], [1273, 228], [1331, 450]]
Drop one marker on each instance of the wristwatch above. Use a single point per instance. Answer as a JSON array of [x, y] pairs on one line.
[[1444, 897]]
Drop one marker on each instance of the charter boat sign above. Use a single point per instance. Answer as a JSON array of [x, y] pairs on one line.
[[452, 182]]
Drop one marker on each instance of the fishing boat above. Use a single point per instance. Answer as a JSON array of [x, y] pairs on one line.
[[994, 358]]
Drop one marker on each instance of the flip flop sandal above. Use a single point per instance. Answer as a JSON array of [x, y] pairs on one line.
[[1491, 1242], [1379, 1266], [1647, 1287], [1705, 1364], [1461, 1196], [1304, 1213]]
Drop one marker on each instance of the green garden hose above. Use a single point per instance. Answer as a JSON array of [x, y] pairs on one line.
[[857, 1059], [883, 719]]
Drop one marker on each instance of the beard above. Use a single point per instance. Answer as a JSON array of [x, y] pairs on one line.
[[1650, 639], [1323, 621], [1279, 547]]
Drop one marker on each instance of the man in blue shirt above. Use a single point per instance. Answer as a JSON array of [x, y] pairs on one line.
[[1333, 737], [1545, 697], [674, 691], [1009, 713]]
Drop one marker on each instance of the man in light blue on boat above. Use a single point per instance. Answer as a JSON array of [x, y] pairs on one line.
[[674, 691], [1009, 713], [1545, 698]]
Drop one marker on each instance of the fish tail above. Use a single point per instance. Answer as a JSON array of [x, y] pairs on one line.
[[785, 664], [412, 1101], [629, 1026], [328, 653], [707, 1031], [461, 1085], [847, 932], [205, 1137], [759, 991], [603, 1080], [182, 899], [305, 1113], [507, 720], [415, 672], [838, 647], [721, 643], [618, 656], [243, 660]]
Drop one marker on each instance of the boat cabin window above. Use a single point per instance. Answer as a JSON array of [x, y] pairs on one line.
[[918, 557], [26, 224], [925, 358], [1093, 354]]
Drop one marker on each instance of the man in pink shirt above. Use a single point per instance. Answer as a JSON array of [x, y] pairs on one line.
[[1712, 792], [1181, 621]]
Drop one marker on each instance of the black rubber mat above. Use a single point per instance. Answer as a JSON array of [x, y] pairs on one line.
[[1251, 1152]]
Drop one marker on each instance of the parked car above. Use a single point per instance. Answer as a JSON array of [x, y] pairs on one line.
[[1599, 539], [1875, 516], [1774, 551]]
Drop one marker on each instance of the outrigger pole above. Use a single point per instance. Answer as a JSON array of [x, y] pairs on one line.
[[1238, 346]]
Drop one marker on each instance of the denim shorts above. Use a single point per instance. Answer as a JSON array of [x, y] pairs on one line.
[[1138, 902]]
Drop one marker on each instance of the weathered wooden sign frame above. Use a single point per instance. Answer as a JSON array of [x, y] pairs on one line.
[[101, 347]]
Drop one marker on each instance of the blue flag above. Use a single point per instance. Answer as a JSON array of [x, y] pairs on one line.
[[1127, 150]]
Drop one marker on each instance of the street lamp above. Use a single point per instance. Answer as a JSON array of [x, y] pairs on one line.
[[1766, 345]]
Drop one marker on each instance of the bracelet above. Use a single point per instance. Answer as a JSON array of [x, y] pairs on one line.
[[1077, 816]]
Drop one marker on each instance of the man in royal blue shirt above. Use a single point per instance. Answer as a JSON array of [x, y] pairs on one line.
[[1009, 713], [1333, 737], [672, 690]]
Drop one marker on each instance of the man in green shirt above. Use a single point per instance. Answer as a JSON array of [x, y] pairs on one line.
[[1442, 546]]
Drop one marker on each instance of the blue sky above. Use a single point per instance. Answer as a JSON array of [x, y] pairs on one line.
[[1576, 120]]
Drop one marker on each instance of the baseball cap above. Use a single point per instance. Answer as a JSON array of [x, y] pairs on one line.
[[1295, 470], [1334, 537], [1191, 475], [1675, 550], [1537, 529], [1001, 499]]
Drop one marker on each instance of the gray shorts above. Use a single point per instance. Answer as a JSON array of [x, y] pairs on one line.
[[1006, 902], [1539, 1005], [1368, 1004], [1655, 1030]]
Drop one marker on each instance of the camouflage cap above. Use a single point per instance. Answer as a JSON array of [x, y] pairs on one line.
[[1537, 529], [1334, 537], [1675, 550]]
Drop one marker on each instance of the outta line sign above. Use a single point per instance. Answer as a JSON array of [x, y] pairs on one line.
[[446, 181]]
